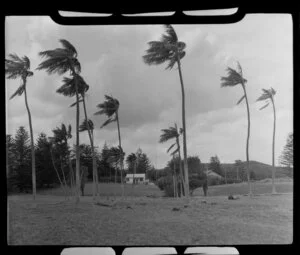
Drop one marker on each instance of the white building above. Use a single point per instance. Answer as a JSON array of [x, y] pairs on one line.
[[138, 178]]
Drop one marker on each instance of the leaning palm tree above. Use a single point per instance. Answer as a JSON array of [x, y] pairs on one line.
[[169, 49], [174, 133], [16, 67], [68, 89], [110, 108], [234, 78], [268, 96], [60, 61]]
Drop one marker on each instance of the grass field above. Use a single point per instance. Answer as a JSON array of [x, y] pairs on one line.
[[140, 220]]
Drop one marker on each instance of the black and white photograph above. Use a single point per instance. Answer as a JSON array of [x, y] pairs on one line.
[[149, 134]]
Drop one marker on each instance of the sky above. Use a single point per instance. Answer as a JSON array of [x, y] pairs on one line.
[[150, 96]]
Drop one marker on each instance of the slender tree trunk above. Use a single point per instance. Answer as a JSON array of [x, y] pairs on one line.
[[77, 142], [62, 170], [180, 165], [120, 144], [32, 144], [273, 150], [247, 145], [174, 171], [71, 177], [92, 146], [185, 165], [53, 163]]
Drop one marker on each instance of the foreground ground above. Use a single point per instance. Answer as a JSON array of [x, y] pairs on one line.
[[264, 219]]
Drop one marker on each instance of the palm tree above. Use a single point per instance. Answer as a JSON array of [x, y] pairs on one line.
[[171, 133], [60, 61], [110, 108], [61, 136], [131, 161], [268, 96], [234, 78], [116, 157], [88, 125], [69, 89], [16, 67], [169, 49], [52, 141]]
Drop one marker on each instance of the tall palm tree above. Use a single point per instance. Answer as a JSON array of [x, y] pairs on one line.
[[174, 133], [234, 78], [60, 61], [268, 96], [69, 89], [169, 49], [110, 108], [16, 67]]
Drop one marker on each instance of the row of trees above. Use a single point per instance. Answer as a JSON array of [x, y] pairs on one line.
[[55, 161], [168, 50]]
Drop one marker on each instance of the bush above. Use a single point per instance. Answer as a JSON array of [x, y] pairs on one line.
[[194, 184]]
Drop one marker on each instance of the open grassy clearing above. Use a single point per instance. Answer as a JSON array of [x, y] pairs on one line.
[[264, 219]]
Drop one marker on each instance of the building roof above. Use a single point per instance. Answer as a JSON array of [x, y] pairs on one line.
[[136, 175]]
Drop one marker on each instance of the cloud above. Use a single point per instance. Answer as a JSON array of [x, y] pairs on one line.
[[150, 96]]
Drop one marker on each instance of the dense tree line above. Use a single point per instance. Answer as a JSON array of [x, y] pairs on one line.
[[56, 162]]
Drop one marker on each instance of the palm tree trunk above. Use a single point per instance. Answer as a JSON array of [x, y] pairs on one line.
[[32, 144], [273, 150], [71, 176], [180, 165], [185, 165], [53, 163], [120, 144], [247, 145], [77, 142], [62, 170], [174, 170], [92, 146]]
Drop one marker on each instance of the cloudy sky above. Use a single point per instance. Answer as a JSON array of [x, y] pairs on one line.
[[150, 96]]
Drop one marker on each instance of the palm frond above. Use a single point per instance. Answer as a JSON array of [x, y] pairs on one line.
[[264, 106], [170, 36], [267, 94], [168, 134], [273, 91], [16, 67], [233, 78], [239, 69], [60, 60], [79, 101], [109, 107], [174, 152], [170, 148], [108, 121], [68, 46], [69, 86], [18, 92], [240, 100], [85, 125]]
